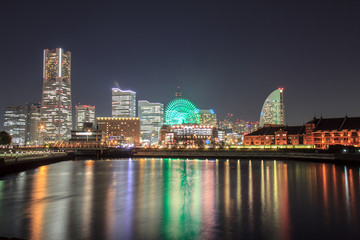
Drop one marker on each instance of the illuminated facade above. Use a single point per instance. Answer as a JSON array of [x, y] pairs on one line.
[[117, 129], [193, 134], [88, 136], [324, 132], [207, 117], [33, 124], [164, 130], [181, 111], [56, 108], [123, 103], [15, 123], [244, 127], [319, 132], [286, 135], [151, 118], [84, 114], [273, 111]]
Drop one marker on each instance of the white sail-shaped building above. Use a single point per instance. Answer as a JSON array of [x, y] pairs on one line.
[[273, 110]]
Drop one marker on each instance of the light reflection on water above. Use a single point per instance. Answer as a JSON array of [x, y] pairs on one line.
[[182, 199]]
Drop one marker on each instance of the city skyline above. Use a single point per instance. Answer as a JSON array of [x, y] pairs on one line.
[[228, 63], [180, 120]]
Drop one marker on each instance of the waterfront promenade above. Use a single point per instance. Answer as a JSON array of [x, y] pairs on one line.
[[342, 157], [23, 160]]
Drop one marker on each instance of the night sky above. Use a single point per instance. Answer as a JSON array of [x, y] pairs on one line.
[[225, 56]]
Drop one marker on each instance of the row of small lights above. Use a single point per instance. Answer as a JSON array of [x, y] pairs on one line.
[[184, 126], [333, 134], [116, 118]]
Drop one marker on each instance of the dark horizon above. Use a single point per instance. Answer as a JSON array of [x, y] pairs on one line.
[[227, 57]]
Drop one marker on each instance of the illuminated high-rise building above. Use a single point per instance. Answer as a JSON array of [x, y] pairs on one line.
[[244, 127], [15, 123], [273, 110], [33, 124], [56, 111], [151, 119], [207, 117], [22, 123], [84, 114], [123, 103]]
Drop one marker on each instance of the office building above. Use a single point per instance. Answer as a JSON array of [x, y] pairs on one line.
[[84, 114], [33, 124], [273, 110], [15, 120], [244, 127], [56, 108], [22, 123], [123, 103], [207, 117], [151, 118]]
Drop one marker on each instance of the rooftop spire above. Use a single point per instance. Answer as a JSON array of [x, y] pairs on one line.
[[178, 92]]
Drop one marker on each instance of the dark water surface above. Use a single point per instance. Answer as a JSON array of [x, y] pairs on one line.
[[182, 199]]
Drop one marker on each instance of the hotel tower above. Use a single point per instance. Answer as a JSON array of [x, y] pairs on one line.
[[56, 112], [273, 110]]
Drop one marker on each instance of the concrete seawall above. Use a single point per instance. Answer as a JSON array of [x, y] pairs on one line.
[[291, 155], [18, 164]]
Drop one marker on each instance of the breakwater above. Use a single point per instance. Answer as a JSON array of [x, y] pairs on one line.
[[14, 164]]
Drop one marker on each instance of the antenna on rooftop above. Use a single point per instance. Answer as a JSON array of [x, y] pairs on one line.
[[178, 92]]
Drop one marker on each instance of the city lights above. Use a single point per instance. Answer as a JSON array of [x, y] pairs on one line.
[[180, 111]]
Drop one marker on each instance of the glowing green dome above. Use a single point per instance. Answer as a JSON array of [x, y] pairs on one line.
[[181, 110]]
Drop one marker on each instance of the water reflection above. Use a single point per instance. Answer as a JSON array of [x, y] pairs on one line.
[[181, 198], [87, 199], [37, 208]]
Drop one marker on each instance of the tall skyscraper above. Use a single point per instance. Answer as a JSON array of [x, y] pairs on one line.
[[33, 124], [84, 114], [15, 123], [273, 110], [123, 103], [151, 119], [56, 110]]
